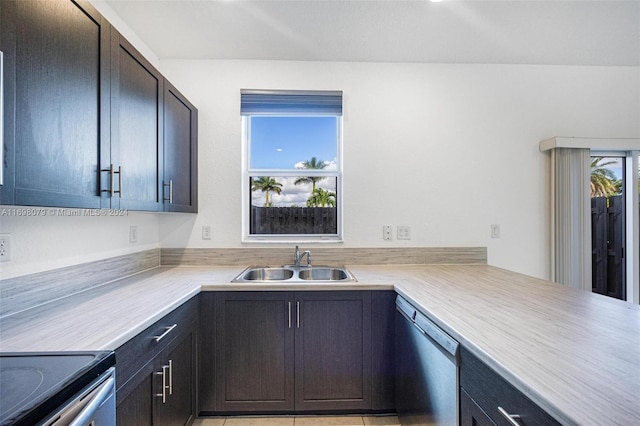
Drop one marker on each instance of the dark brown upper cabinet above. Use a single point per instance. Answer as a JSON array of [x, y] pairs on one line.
[[180, 192], [56, 103], [84, 116], [136, 130]]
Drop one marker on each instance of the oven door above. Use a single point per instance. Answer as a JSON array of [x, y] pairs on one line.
[[95, 405]]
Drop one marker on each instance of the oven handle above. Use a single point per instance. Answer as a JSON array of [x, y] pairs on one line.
[[103, 393]]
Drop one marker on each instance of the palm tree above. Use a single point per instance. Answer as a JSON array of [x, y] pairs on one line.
[[313, 164], [266, 184], [322, 198], [603, 181]]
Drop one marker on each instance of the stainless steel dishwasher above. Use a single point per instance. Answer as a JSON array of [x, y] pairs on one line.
[[427, 379]]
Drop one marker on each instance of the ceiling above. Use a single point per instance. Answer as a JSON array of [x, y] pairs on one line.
[[494, 32]]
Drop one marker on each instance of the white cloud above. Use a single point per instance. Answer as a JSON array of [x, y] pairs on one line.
[[291, 194]]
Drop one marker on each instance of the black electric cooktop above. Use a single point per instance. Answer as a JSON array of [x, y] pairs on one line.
[[33, 385]]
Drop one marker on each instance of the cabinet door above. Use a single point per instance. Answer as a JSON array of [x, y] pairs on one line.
[[136, 407], [383, 339], [333, 350], [471, 414], [178, 407], [180, 152], [207, 354], [56, 93], [254, 357], [136, 128]]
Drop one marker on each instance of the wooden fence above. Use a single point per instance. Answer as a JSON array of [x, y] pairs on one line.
[[608, 246], [293, 220]]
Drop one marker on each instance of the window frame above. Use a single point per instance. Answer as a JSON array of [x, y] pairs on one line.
[[248, 173]]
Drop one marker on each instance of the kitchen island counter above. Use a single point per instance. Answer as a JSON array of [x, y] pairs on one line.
[[575, 354]]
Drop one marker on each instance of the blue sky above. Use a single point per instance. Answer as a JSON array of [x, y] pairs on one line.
[[282, 142]]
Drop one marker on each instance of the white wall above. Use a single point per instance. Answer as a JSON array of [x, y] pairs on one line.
[[58, 240], [447, 149]]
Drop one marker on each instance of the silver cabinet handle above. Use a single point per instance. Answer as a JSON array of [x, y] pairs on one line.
[[163, 373], [170, 185], [119, 172], [170, 377], [289, 303], [163, 335], [112, 181], [111, 189], [298, 314], [511, 418]]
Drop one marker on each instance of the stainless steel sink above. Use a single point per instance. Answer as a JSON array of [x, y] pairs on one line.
[[323, 274], [267, 274], [290, 274]]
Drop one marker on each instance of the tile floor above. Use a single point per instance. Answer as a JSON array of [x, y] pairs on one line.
[[300, 421]]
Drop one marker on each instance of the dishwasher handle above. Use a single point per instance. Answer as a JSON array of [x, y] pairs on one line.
[[445, 341], [405, 308], [427, 327]]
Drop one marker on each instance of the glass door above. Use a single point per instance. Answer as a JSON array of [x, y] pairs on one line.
[[608, 225]]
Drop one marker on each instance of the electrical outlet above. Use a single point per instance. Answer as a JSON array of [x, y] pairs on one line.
[[404, 232], [5, 247], [133, 233], [495, 231], [206, 232], [386, 232]]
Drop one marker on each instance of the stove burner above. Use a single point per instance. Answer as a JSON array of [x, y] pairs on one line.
[[32, 384], [18, 385]]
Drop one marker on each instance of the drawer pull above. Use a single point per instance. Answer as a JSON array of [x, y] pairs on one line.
[[163, 373], [170, 377], [163, 335], [511, 418]]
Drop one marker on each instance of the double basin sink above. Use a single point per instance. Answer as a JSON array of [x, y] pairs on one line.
[[300, 274]]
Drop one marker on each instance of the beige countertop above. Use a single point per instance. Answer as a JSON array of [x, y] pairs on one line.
[[574, 353]]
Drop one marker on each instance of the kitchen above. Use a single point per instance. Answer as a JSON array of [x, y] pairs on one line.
[[472, 123]]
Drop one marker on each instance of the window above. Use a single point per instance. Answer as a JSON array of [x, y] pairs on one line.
[[292, 166]]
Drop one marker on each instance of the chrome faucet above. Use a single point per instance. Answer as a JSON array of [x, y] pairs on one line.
[[297, 257]]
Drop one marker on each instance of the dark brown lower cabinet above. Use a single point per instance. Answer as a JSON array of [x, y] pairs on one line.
[[470, 413], [177, 379], [383, 351], [307, 351], [333, 350], [254, 358], [165, 396], [156, 378], [488, 399], [137, 407]]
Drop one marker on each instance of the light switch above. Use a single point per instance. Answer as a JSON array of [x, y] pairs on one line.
[[206, 232], [404, 232]]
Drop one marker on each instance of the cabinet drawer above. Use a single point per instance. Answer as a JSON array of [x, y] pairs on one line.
[[133, 355], [490, 391]]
